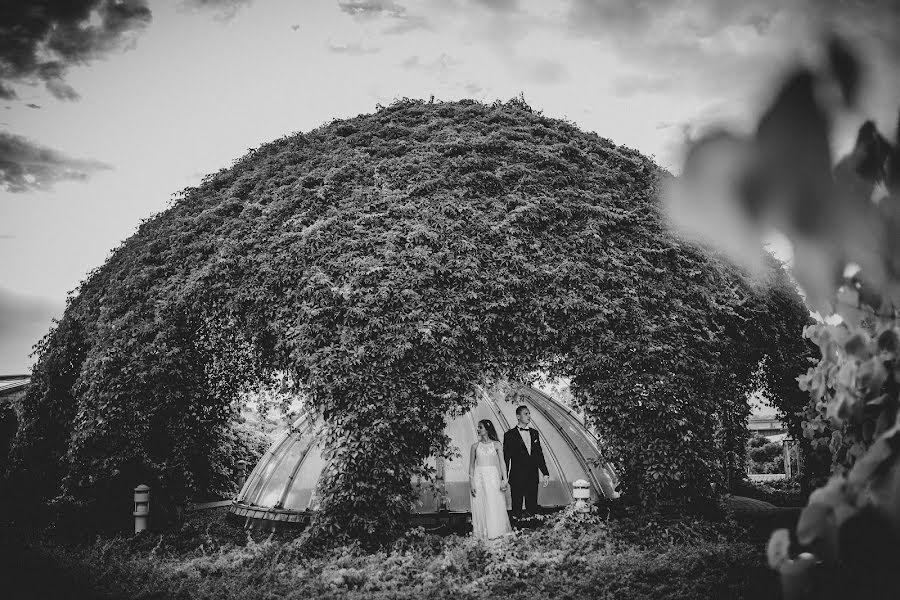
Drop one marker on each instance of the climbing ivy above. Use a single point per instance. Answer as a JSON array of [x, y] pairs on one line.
[[387, 264]]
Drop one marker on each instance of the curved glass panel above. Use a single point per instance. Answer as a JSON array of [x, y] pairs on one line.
[[271, 493], [304, 484], [292, 467], [456, 470], [259, 477]]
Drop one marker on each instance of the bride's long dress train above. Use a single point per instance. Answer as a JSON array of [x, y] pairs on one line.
[[489, 516]]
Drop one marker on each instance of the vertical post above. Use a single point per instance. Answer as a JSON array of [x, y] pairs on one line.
[[241, 474], [786, 444], [141, 507], [443, 500], [581, 493]]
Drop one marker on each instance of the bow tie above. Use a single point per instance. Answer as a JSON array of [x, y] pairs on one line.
[[523, 428]]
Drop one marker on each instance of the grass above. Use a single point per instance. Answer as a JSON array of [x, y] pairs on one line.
[[570, 556]]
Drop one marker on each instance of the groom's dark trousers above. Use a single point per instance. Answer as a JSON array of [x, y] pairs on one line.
[[523, 466]]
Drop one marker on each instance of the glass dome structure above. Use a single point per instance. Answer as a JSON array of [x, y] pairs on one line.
[[281, 488]]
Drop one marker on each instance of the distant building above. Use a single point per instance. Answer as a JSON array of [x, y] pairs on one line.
[[766, 425], [12, 389]]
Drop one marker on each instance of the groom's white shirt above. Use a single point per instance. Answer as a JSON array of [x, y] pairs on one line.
[[526, 436]]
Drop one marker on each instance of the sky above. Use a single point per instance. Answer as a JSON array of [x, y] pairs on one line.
[[108, 108]]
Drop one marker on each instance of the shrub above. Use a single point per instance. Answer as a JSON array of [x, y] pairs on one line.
[[785, 492]]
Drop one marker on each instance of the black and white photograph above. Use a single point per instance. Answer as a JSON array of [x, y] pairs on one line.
[[413, 299]]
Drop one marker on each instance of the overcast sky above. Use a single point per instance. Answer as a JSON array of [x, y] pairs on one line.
[[108, 108]]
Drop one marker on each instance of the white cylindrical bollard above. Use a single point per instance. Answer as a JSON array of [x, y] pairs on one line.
[[141, 507], [581, 492], [798, 577]]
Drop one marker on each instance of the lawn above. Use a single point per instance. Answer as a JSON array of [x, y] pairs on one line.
[[625, 557]]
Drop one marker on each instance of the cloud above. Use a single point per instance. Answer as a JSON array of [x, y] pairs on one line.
[[61, 90], [645, 83], [398, 19], [409, 23], [223, 9], [500, 6], [7, 236], [439, 64], [26, 166], [411, 62], [473, 88], [543, 70], [30, 105], [679, 37], [7, 93], [716, 39], [41, 39], [351, 48], [372, 8], [728, 55], [24, 320], [591, 17], [672, 18]]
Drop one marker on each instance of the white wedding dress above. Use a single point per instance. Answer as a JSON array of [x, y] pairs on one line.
[[489, 516]]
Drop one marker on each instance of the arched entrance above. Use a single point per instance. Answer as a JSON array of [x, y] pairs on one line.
[[282, 486]]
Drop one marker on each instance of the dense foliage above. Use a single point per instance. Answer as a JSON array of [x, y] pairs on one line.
[[840, 220], [634, 557], [764, 456], [384, 264], [789, 357]]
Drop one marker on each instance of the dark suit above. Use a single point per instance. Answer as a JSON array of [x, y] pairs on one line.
[[523, 472]]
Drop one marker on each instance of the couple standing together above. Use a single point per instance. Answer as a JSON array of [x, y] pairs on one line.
[[520, 457]]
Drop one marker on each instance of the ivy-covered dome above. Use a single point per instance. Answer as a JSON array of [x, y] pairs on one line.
[[385, 263], [282, 486]]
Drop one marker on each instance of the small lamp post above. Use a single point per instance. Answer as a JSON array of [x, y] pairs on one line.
[[581, 492], [141, 507]]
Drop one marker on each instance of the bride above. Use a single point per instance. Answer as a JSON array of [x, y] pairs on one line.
[[487, 478]]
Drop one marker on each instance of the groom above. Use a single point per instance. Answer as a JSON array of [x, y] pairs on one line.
[[524, 456]]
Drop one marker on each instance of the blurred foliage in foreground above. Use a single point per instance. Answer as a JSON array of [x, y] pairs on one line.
[[844, 224]]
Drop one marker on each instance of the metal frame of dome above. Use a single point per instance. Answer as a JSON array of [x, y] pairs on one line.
[[271, 494]]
